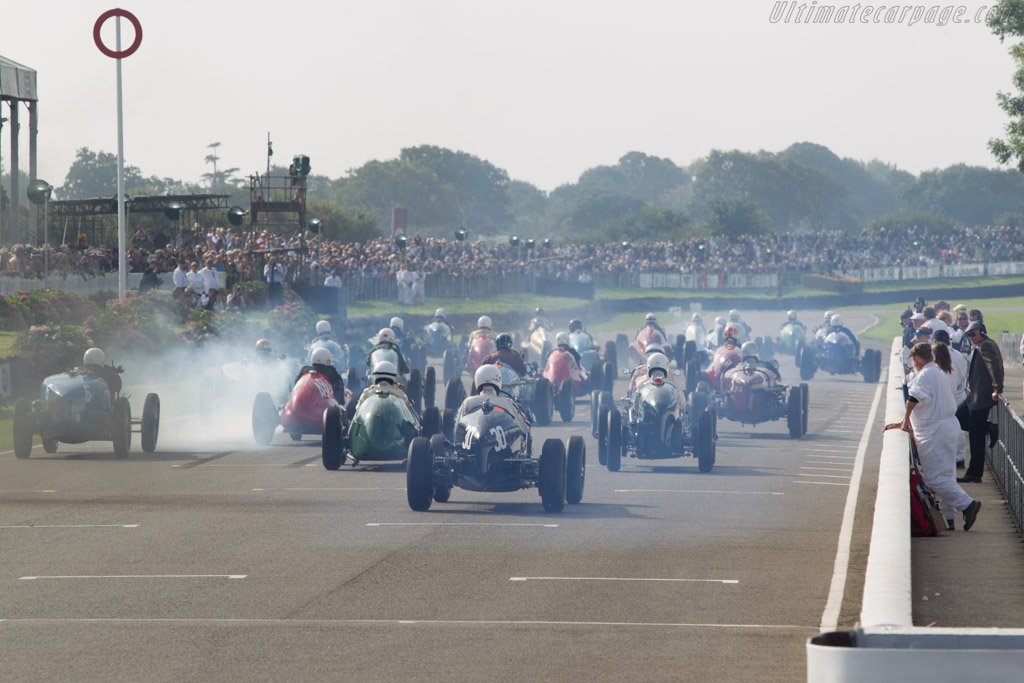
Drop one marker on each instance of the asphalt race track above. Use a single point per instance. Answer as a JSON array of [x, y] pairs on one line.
[[232, 562]]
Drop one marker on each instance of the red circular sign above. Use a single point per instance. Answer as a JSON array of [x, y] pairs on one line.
[[99, 41]]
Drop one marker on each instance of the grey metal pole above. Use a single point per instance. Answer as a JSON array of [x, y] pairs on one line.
[[122, 260]]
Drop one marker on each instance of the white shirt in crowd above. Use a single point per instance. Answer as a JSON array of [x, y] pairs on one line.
[[934, 395], [195, 280], [180, 278], [209, 279], [332, 280]]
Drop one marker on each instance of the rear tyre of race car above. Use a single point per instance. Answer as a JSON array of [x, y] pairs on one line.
[[614, 457], [611, 356], [419, 475], [795, 412], [415, 390], [431, 423], [264, 418], [706, 441], [552, 475], [50, 445], [450, 365], [22, 430], [576, 470], [689, 351], [595, 405], [808, 366], [602, 434], [596, 378], [867, 364], [621, 346], [121, 427], [692, 371], [567, 400], [442, 493], [352, 380], [609, 377], [330, 442], [805, 396], [448, 424], [675, 439], [543, 401], [699, 401], [150, 422], [454, 393], [798, 350], [430, 387]]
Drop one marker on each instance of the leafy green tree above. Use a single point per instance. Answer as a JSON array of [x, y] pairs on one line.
[[972, 195], [1006, 19], [735, 216], [343, 224], [904, 220], [381, 186], [94, 174], [481, 188], [638, 174], [528, 206]]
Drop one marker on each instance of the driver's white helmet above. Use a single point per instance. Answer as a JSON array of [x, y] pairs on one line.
[[386, 335], [653, 348], [657, 363], [720, 320], [828, 317], [323, 327], [791, 316], [837, 320], [94, 356], [487, 375], [384, 371], [696, 318], [734, 315], [749, 349], [397, 324], [321, 356], [440, 313], [562, 338], [650, 318], [483, 321]]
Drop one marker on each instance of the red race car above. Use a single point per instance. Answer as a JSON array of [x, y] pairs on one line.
[[302, 414], [751, 393]]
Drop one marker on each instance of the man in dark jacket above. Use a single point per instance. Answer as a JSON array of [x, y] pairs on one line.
[[506, 355], [985, 384]]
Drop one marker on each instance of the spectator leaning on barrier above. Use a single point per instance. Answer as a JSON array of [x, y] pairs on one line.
[[957, 374], [985, 383], [930, 417]]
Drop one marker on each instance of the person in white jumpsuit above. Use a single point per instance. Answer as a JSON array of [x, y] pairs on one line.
[[958, 380], [931, 418]]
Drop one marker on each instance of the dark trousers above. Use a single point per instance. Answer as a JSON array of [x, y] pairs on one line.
[[275, 293], [977, 432]]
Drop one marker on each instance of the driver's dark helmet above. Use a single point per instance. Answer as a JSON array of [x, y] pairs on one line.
[[575, 325], [504, 341], [539, 312]]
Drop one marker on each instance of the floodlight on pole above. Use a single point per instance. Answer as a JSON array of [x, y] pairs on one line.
[[38, 192]]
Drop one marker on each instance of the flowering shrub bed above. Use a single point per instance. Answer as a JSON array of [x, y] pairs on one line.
[[14, 313], [292, 323], [48, 350]]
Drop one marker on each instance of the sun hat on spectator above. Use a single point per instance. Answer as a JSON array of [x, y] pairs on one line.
[[906, 314], [917, 316], [976, 325], [922, 331]]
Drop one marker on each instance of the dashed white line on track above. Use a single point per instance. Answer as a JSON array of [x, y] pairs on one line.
[[140, 576], [28, 491], [762, 493], [547, 526], [69, 526], [828, 476], [820, 483], [347, 488], [614, 578]]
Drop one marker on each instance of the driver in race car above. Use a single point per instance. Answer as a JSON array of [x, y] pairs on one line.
[[441, 318], [488, 383], [397, 326], [730, 336], [562, 342], [93, 363], [539, 320], [575, 325], [483, 328], [640, 372], [385, 378], [386, 340], [657, 372], [506, 355], [825, 324], [324, 332], [718, 337], [321, 362], [836, 325], [736, 321], [651, 320], [750, 353], [791, 320], [264, 352]]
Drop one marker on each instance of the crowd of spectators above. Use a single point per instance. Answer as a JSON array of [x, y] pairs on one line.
[[243, 255]]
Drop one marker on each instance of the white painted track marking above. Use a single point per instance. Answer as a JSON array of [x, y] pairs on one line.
[[826, 469], [141, 576], [822, 483], [28, 491], [69, 526], [201, 464], [418, 622], [830, 617], [828, 476], [458, 524], [612, 578], [349, 488], [745, 493]]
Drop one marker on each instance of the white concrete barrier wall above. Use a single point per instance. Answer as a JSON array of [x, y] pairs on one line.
[[87, 286], [887, 596]]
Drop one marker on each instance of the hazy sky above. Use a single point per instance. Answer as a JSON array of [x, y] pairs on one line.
[[544, 90]]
